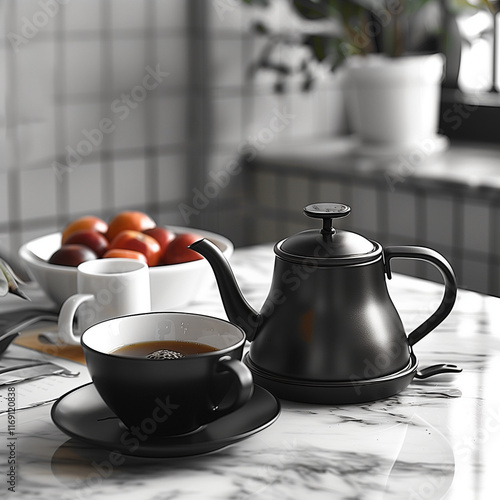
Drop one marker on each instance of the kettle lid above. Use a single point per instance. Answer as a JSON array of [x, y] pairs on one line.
[[329, 246]]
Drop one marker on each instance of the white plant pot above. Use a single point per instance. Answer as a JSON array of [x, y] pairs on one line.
[[394, 102]]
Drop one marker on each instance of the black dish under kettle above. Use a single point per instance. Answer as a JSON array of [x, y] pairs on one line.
[[328, 331]]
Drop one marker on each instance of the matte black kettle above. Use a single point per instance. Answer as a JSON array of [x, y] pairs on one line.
[[328, 331]]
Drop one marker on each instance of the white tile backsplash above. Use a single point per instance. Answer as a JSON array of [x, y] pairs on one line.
[[297, 194], [172, 58], [266, 189], [226, 15], [227, 170], [129, 183], [130, 132], [226, 64], [169, 120], [475, 274], [440, 223], [28, 20], [266, 230], [37, 231], [82, 15], [85, 191], [82, 59], [4, 196], [82, 131], [34, 86], [404, 266], [402, 214], [4, 163], [37, 193], [128, 64], [364, 216], [170, 14], [3, 85], [37, 142], [127, 14], [5, 242], [173, 180], [330, 191], [476, 231], [227, 120]]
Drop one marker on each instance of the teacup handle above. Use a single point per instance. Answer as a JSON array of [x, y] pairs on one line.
[[66, 318], [450, 283], [244, 385]]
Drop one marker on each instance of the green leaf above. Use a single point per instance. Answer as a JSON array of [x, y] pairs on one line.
[[260, 28], [319, 46], [258, 3], [311, 9]]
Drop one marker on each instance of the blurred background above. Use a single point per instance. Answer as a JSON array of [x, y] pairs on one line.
[[164, 106]]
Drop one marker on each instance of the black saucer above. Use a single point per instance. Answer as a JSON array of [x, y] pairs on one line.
[[331, 392], [82, 414]]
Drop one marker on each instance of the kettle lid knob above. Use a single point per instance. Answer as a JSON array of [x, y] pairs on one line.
[[327, 212], [329, 246]]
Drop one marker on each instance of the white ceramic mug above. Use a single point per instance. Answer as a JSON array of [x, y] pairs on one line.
[[107, 288]]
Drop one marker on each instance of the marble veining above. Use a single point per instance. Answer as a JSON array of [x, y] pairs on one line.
[[439, 438]]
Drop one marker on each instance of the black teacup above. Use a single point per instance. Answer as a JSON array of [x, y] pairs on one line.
[[168, 396]]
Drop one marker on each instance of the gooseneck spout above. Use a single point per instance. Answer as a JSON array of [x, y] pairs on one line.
[[237, 308]]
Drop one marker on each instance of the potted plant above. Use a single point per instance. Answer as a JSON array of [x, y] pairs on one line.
[[393, 65]]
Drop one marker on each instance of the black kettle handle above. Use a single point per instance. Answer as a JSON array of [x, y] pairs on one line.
[[450, 283]]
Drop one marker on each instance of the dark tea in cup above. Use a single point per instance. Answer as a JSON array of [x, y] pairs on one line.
[[154, 349]]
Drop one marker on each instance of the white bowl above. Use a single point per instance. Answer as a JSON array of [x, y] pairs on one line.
[[172, 285]]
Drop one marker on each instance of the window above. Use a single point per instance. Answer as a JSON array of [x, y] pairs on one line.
[[471, 108], [479, 70]]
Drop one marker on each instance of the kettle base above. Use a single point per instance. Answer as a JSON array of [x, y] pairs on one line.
[[336, 393]]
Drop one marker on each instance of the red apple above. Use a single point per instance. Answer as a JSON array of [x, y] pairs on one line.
[[87, 222], [97, 242], [134, 221], [162, 235], [72, 255], [177, 251], [139, 242]]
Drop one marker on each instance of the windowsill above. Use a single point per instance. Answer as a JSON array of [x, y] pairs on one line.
[[471, 168]]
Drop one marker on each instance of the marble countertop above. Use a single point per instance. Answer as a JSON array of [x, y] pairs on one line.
[[439, 438]]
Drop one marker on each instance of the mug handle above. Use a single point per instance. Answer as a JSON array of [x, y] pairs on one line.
[[244, 385], [450, 283], [66, 317]]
